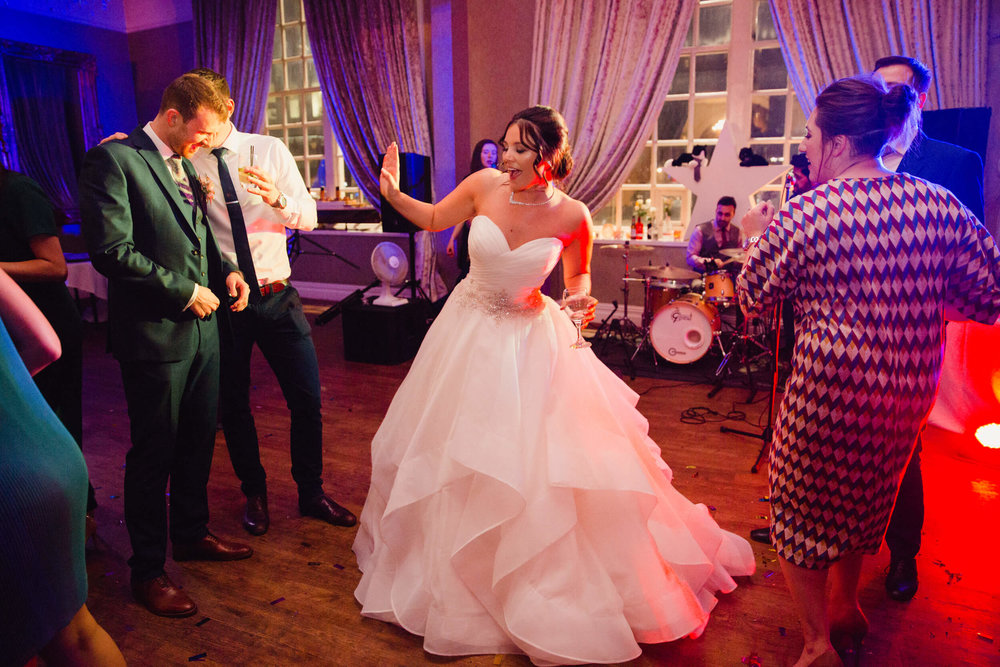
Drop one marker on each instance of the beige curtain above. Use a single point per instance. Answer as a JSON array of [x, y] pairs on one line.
[[607, 67], [824, 41], [367, 55]]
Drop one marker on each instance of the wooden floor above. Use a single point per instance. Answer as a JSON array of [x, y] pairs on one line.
[[292, 603]]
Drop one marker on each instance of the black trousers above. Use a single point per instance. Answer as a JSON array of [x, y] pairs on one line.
[[278, 326], [172, 408], [907, 521]]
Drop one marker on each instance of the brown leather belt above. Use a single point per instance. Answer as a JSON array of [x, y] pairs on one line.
[[273, 288]]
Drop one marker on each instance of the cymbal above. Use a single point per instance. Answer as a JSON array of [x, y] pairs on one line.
[[630, 246], [737, 253], [666, 273]]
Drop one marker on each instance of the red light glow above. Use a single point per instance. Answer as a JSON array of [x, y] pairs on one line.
[[989, 436]]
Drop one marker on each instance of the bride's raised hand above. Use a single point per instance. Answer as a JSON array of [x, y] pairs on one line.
[[389, 178]]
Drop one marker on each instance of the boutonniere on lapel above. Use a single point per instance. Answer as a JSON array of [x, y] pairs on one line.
[[207, 188]]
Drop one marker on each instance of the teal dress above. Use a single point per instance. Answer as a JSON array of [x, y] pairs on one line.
[[43, 493]]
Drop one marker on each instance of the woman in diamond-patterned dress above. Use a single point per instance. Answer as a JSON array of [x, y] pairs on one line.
[[870, 260]]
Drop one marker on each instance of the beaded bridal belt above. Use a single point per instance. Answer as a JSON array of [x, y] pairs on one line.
[[498, 304]]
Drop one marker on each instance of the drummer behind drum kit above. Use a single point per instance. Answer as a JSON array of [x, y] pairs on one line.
[[682, 311]]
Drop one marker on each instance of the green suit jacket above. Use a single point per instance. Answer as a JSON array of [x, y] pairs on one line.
[[151, 245]]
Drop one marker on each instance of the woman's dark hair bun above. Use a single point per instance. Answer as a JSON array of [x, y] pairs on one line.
[[543, 130]]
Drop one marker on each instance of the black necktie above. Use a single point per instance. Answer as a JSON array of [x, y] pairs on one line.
[[239, 227]]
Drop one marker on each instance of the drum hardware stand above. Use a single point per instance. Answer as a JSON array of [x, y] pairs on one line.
[[603, 331], [623, 329], [647, 321], [767, 432], [741, 350]]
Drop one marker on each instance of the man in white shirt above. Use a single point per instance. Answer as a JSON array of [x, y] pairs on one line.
[[275, 198]]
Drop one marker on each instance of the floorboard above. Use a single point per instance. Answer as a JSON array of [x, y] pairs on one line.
[[292, 603]]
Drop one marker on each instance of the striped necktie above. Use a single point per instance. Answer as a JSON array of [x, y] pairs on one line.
[[180, 178]]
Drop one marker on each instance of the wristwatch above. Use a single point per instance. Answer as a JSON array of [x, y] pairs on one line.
[[281, 201]]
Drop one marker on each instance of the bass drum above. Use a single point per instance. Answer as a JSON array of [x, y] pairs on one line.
[[682, 330]]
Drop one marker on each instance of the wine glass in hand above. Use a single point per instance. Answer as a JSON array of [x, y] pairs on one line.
[[577, 304]]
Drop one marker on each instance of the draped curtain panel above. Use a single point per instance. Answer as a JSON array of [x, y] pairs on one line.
[[607, 67], [235, 38], [47, 127], [825, 41], [367, 55]]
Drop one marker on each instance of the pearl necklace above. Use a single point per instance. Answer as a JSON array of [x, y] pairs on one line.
[[524, 203]]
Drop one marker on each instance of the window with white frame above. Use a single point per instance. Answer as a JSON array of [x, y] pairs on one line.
[[295, 107], [730, 68]]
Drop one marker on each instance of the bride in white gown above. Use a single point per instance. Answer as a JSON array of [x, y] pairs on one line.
[[517, 504]]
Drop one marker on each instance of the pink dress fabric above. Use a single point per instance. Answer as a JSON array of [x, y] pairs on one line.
[[517, 504]]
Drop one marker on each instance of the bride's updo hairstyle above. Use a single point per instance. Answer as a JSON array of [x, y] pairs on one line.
[[543, 130], [867, 112]]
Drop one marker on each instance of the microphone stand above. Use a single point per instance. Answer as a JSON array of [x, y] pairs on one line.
[[767, 433], [351, 298]]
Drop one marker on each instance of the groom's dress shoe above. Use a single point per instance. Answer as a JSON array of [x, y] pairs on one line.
[[163, 598], [324, 508], [901, 580], [256, 519], [211, 547]]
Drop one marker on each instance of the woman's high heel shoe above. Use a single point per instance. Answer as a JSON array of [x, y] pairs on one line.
[[847, 635]]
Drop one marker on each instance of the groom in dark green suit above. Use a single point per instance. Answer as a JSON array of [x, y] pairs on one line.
[[144, 221]]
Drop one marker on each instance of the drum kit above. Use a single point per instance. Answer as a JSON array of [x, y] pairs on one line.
[[684, 313]]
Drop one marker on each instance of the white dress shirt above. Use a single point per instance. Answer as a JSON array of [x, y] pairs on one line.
[[265, 224]]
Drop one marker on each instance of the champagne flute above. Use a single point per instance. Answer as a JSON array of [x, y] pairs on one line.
[[577, 302], [246, 160]]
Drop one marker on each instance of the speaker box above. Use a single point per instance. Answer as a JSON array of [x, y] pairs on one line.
[[414, 180], [385, 335]]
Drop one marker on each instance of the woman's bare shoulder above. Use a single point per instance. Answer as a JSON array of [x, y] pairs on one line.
[[572, 212]]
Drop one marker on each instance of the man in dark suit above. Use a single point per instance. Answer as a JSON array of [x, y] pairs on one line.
[[144, 220], [961, 171]]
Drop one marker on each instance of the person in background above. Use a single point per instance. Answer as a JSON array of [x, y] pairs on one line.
[[484, 156], [517, 503], [961, 171], [868, 351], [43, 491], [275, 200], [31, 254], [710, 237], [800, 175], [146, 228]]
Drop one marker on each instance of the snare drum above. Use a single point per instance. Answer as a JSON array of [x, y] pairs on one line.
[[682, 330], [719, 288]]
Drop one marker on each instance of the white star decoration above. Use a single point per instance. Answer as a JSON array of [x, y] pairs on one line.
[[724, 176]]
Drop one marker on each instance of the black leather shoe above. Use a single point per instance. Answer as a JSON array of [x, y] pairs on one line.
[[211, 547], [324, 508], [901, 580], [762, 535], [256, 520]]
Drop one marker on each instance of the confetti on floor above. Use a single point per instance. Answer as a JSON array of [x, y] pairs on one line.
[[277, 601]]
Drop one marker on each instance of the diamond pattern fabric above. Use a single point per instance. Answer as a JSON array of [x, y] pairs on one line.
[[869, 265]]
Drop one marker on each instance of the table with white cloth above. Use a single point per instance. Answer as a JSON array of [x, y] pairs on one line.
[[969, 391], [82, 278]]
